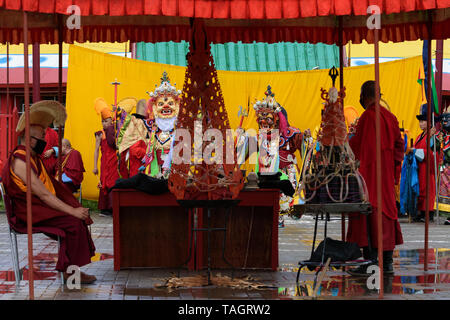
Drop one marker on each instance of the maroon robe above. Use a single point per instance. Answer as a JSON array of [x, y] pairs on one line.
[[421, 143], [73, 167], [363, 144], [108, 168], [77, 246], [52, 138]]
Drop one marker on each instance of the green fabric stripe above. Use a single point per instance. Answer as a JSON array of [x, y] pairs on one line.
[[256, 56]]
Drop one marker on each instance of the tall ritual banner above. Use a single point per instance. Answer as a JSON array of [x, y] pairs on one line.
[[201, 169]]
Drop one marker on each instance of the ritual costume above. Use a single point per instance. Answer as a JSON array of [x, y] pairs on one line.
[[165, 104], [76, 247], [133, 136], [108, 164], [52, 138], [444, 189], [392, 147], [121, 117], [72, 169], [277, 156], [420, 145]]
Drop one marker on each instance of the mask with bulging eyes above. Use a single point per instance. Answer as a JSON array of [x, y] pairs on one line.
[[445, 121], [266, 120], [166, 107]]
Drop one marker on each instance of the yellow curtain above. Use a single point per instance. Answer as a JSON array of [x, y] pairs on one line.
[[91, 73]]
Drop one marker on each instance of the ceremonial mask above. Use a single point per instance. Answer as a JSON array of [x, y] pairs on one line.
[[267, 111], [166, 107], [165, 100]]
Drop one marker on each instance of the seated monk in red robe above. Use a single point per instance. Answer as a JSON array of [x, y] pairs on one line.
[[363, 144], [71, 166], [55, 211]]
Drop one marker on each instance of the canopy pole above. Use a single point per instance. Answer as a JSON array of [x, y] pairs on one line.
[[438, 78], [8, 109], [341, 86], [378, 161], [60, 99], [36, 72], [28, 158], [428, 153]]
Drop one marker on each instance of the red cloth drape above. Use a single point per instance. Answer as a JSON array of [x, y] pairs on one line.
[[224, 9], [268, 21]]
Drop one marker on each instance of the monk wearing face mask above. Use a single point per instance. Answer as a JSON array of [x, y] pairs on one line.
[[55, 211]]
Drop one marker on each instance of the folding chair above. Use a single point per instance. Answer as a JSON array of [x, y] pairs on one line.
[[14, 250]]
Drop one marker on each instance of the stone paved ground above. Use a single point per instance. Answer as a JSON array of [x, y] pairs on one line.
[[409, 281]]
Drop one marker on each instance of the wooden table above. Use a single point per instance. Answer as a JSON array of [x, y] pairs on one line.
[[153, 231]]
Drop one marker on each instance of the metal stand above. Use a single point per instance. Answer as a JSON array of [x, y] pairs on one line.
[[209, 205], [336, 209]]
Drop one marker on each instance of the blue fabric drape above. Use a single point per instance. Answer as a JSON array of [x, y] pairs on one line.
[[409, 185]]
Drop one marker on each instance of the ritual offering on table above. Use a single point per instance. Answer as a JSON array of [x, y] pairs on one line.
[[333, 175]]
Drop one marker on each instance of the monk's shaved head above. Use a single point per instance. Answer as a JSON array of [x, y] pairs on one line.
[[66, 143]]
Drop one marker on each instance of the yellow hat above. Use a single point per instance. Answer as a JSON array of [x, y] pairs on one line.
[[127, 104], [44, 113], [102, 108]]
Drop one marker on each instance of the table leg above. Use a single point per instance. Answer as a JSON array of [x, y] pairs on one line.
[[369, 238], [191, 240], [315, 234], [325, 237], [227, 216], [209, 246]]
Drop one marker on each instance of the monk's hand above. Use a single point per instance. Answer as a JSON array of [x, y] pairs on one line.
[[81, 213], [307, 133], [432, 131], [95, 171], [48, 153]]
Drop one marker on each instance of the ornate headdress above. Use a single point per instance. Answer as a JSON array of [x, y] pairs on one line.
[[165, 88], [268, 104]]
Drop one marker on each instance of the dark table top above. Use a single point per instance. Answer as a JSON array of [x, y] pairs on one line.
[[335, 208]]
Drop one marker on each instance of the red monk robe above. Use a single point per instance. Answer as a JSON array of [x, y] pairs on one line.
[[108, 168], [52, 138], [137, 153], [421, 143], [77, 246], [363, 144], [72, 166]]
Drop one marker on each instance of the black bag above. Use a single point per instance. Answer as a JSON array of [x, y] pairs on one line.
[[336, 250], [144, 183], [273, 182]]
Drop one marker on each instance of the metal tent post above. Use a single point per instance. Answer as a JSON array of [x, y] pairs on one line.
[[28, 158], [428, 163], [60, 98], [378, 163]]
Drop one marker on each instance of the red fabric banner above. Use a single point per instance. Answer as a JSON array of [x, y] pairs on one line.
[[225, 9]]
